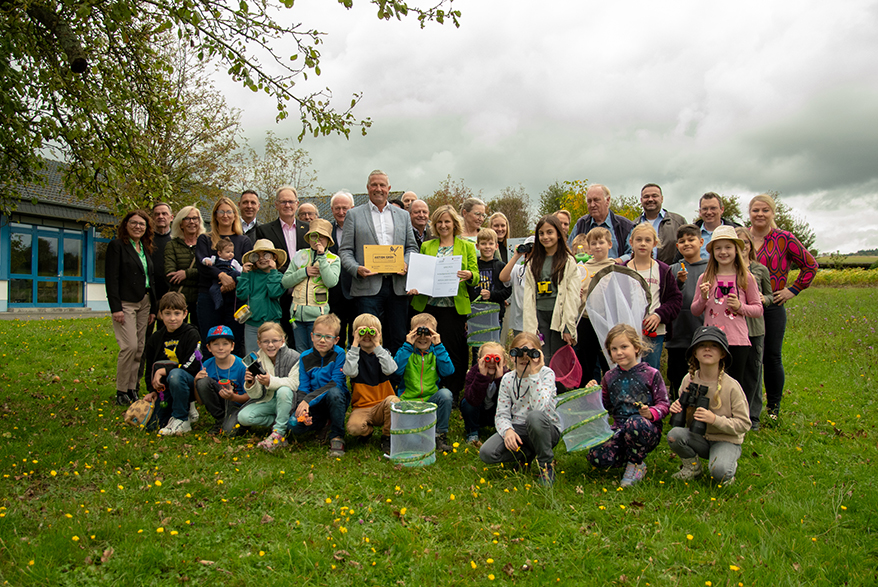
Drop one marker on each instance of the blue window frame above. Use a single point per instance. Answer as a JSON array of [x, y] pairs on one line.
[[46, 266]]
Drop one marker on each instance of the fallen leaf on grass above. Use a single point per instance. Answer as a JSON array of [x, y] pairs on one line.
[[266, 519], [107, 555], [507, 568], [339, 555], [796, 566], [637, 504], [579, 490], [216, 440], [310, 477]]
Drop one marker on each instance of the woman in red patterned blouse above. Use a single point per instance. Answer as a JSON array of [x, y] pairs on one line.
[[777, 250]]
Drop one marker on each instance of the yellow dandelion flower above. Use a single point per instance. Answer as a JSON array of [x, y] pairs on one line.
[[30, 563], [689, 537], [490, 561], [452, 497], [261, 553], [174, 532], [402, 511], [734, 568], [158, 483], [75, 539], [219, 481], [343, 530], [328, 500], [708, 583], [68, 515], [473, 564], [159, 530], [53, 473], [490, 577]]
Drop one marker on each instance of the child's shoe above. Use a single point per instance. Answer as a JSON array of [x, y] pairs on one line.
[[122, 399], [336, 447], [385, 445], [273, 441], [176, 427], [442, 443], [633, 474], [547, 475], [193, 413], [473, 439], [689, 470]]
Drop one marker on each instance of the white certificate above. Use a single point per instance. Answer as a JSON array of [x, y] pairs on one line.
[[434, 276]]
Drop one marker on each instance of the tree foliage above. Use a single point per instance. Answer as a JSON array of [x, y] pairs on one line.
[[731, 208], [551, 200], [515, 204], [451, 193], [573, 200], [280, 163], [87, 81]]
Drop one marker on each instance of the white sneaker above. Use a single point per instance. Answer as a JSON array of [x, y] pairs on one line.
[[176, 427], [193, 413]]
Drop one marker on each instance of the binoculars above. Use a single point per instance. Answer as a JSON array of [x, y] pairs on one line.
[[695, 396], [524, 248], [492, 359], [367, 330], [524, 352], [253, 365], [423, 331]]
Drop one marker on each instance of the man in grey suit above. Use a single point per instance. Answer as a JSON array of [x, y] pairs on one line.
[[376, 223]]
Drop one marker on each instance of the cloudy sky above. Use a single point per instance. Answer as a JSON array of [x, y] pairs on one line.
[[737, 98]]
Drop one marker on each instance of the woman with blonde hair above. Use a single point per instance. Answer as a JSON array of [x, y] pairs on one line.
[[179, 259], [778, 250], [225, 222], [472, 212]]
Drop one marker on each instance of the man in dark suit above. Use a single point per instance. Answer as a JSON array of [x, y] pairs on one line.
[[379, 223], [288, 234], [249, 205], [340, 301]]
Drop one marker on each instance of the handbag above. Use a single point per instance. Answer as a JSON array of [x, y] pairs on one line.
[[142, 414]]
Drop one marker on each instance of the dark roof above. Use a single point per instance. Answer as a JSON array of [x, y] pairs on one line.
[[51, 194]]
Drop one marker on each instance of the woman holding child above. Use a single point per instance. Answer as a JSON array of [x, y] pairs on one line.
[[179, 261], [130, 277], [225, 224], [451, 312], [778, 250]]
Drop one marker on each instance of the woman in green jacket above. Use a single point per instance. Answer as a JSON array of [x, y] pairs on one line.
[[451, 313], [179, 262]]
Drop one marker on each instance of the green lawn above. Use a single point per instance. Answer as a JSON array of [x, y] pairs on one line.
[[89, 501]]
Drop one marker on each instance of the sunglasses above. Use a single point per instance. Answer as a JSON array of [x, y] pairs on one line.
[[367, 330], [492, 359], [524, 352]]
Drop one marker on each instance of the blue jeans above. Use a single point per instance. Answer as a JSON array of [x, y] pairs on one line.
[[392, 311], [332, 406], [772, 361], [443, 400], [654, 357], [475, 417], [180, 385], [302, 335]]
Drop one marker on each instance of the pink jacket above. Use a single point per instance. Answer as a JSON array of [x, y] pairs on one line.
[[716, 308]]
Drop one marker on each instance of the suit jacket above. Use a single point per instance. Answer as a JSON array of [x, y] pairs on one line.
[[124, 277], [428, 235], [275, 233], [344, 279], [251, 234], [621, 229], [359, 231]]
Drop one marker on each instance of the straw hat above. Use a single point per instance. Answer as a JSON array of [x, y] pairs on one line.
[[321, 227], [725, 233], [264, 245]]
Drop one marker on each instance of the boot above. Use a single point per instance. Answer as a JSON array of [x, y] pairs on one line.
[[689, 470]]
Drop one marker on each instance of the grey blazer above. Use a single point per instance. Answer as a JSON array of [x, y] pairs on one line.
[[359, 231]]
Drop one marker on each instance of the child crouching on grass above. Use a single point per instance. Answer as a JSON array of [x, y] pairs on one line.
[[635, 395], [271, 393], [479, 404], [528, 426], [370, 365], [728, 416]]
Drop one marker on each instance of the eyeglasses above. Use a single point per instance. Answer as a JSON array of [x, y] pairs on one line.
[[316, 336], [481, 215], [225, 212], [287, 202], [273, 342], [192, 218], [367, 330], [134, 224]]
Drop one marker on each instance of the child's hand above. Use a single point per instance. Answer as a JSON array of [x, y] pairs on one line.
[[682, 274], [320, 248], [247, 267], [156, 379], [644, 411], [485, 294], [151, 396], [263, 379], [248, 377], [676, 408], [483, 367], [704, 415], [303, 414], [733, 302], [435, 338], [357, 338], [226, 393], [312, 271], [409, 338], [512, 440], [591, 383], [705, 289], [200, 375], [272, 264], [651, 322], [537, 364], [207, 261]]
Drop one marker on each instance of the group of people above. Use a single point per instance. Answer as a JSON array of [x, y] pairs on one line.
[[305, 283]]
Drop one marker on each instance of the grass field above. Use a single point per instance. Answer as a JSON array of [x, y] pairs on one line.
[[89, 501]]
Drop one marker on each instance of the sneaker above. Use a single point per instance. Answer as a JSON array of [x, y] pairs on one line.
[[336, 447], [773, 417], [689, 470], [472, 437], [442, 443], [273, 441], [547, 475], [385, 445], [193, 413], [122, 399], [132, 395], [728, 482], [176, 427], [754, 426], [633, 474]]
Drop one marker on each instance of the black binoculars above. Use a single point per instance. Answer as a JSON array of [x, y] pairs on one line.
[[524, 352], [253, 365], [695, 396], [524, 248], [423, 331]]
